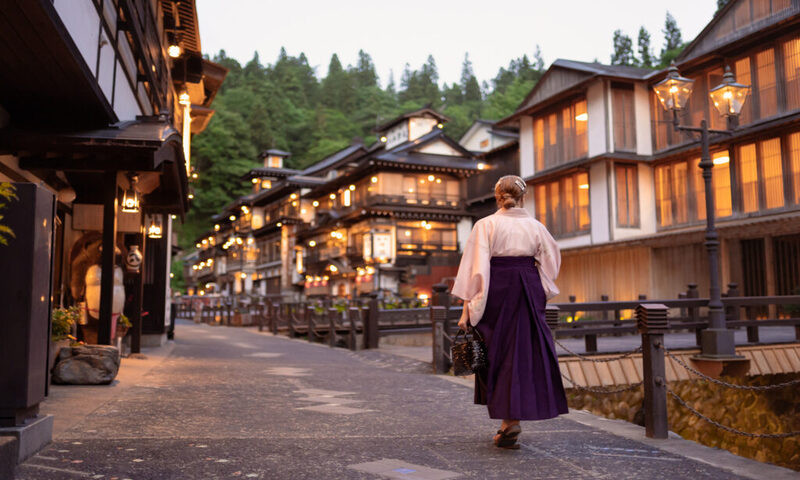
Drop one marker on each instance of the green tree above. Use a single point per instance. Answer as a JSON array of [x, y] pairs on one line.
[[646, 58], [623, 49], [469, 84], [672, 35], [7, 194]]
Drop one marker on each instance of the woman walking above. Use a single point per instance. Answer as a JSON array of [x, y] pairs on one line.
[[505, 278]]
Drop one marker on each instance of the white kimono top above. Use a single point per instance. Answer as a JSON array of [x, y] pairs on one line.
[[509, 232]]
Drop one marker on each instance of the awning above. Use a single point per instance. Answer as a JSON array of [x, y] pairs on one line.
[[149, 144]]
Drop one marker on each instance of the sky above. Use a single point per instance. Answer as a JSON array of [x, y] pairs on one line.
[[395, 33]]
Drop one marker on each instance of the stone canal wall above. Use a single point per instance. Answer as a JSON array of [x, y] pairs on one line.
[[773, 411]]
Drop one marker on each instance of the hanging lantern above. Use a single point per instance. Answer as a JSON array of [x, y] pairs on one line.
[[130, 197], [155, 229]]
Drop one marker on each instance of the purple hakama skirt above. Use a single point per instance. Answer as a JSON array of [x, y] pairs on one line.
[[523, 381]]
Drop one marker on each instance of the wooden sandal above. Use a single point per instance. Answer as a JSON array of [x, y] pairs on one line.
[[508, 437]]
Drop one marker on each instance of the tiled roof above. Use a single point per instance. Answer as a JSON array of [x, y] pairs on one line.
[[636, 73], [764, 360], [332, 159]]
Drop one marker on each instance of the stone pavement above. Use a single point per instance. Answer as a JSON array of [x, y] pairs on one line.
[[233, 403]]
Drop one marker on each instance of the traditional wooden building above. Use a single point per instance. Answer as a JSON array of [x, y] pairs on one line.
[[98, 103], [393, 219], [388, 217], [484, 136], [103, 120], [622, 191]]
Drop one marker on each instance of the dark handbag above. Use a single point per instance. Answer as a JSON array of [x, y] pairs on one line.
[[468, 352]]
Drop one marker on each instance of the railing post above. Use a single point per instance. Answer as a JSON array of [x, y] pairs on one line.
[[332, 312], [371, 334], [651, 320], [440, 295], [694, 312], [261, 311], [309, 311], [274, 311], [551, 313], [438, 319], [352, 314]]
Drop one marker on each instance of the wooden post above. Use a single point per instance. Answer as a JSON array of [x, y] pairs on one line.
[[138, 294], [441, 296], [604, 298], [274, 311], [694, 312], [438, 319], [332, 313], [551, 313], [107, 257], [310, 322], [651, 320], [590, 342], [371, 333], [353, 315]]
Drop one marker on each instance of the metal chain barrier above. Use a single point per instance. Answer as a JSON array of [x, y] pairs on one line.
[[599, 360], [730, 385], [725, 427], [602, 390]]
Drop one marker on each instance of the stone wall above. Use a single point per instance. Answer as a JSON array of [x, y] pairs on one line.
[[773, 411]]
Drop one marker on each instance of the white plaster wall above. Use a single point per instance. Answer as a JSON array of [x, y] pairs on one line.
[[125, 105], [83, 24], [609, 116], [476, 136], [419, 126], [526, 161], [440, 148], [598, 202], [595, 107], [463, 230], [573, 242], [167, 219], [641, 99], [105, 72], [529, 202]]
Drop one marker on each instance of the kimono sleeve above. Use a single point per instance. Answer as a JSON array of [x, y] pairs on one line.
[[472, 280], [549, 257]]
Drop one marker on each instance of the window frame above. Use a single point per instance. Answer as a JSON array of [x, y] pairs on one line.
[[557, 219], [631, 200]]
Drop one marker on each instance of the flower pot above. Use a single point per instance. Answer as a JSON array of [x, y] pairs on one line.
[[121, 331]]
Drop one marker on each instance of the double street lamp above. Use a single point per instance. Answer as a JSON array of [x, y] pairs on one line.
[[717, 342]]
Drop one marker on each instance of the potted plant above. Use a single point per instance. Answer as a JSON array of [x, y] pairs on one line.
[[123, 325], [62, 323]]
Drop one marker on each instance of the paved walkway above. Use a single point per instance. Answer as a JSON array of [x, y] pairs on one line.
[[233, 403]]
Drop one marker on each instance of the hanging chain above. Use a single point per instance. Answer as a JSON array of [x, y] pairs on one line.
[[727, 428], [602, 390], [598, 360], [759, 388]]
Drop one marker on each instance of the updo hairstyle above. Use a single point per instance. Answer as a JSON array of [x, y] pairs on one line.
[[509, 191]]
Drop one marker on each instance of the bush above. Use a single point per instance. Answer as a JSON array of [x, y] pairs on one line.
[[63, 321]]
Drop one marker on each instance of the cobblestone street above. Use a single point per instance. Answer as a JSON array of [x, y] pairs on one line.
[[233, 403]]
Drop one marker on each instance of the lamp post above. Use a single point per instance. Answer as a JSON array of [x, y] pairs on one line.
[[717, 342]]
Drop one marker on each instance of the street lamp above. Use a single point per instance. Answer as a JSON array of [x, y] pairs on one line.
[[717, 342]]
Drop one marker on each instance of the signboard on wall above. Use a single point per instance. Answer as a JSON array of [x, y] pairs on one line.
[[382, 245], [367, 247]]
